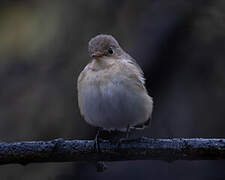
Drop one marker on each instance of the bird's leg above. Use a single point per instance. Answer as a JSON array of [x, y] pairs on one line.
[[127, 131], [122, 139], [100, 165], [96, 144]]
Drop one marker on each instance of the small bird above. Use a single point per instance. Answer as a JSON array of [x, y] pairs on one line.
[[111, 88]]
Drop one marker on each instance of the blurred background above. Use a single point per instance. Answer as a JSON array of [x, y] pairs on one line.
[[179, 44]]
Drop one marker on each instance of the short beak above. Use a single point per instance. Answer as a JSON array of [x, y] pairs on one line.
[[96, 55]]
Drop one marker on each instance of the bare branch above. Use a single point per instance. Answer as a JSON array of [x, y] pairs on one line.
[[60, 150]]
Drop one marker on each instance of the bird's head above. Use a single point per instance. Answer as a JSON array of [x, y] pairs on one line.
[[102, 46]]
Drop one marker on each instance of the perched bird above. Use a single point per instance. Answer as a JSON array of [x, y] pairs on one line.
[[111, 90]]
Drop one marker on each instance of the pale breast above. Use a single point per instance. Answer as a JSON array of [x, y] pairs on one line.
[[112, 99]]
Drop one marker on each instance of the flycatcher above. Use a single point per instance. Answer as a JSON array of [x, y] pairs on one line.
[[111, 88]]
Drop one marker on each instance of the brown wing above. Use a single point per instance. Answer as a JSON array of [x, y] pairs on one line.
[[137, 75]]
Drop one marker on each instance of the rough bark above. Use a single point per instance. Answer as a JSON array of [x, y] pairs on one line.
[[60, 150]]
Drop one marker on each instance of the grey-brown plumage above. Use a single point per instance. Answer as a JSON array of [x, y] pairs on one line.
[[111, 91]]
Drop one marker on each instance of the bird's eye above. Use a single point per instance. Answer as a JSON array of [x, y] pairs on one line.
[[110, 51]]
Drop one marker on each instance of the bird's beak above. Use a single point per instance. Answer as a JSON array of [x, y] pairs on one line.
[[96, 55]]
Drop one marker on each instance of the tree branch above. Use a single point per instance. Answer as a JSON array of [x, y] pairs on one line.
[[60, 150]]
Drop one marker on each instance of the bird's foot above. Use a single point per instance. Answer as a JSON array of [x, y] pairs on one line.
[[100, 165], [119, 142]]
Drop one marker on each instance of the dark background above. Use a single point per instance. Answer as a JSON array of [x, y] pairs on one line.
[[179, 44]]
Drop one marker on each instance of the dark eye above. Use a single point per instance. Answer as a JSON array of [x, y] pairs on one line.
[[110, 51]]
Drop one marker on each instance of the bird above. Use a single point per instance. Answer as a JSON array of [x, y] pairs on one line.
[[111, 88]]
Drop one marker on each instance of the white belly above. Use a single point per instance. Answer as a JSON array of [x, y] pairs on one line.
[[114, 106]]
